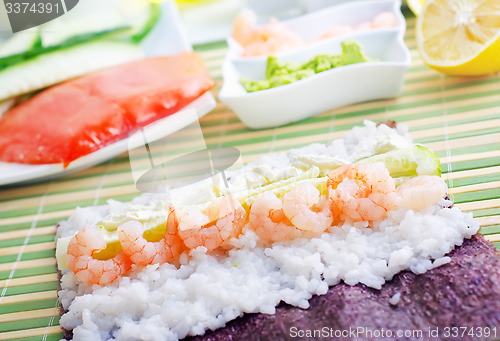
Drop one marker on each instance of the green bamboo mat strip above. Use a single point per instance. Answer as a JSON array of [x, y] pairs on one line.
[[459, 118]]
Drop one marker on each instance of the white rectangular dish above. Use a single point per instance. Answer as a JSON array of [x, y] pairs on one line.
[[324, 91], [345, 85]]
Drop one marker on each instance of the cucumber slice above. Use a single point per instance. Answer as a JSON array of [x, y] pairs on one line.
[[408, 162], [61, 250], [51, 68], [319, 183], [37, 50], [278, 187], [138, 16], [88, 17], [20, 42], [126, 20]]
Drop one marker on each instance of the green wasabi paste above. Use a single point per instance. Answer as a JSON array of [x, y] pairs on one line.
[[281, 73]]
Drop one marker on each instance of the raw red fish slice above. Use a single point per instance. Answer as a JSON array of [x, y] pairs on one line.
[[75, 118]]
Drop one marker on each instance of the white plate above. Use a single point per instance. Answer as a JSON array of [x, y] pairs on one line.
[[168, 37], [329, 89], [11, 173]]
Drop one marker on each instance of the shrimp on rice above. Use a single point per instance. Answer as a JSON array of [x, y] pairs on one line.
[[144, 252], [362, 192], [224, 219], [268, 221], [81, 249], [422, 191], [307, 209]]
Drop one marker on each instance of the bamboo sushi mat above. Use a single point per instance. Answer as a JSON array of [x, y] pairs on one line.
[[458, 118]]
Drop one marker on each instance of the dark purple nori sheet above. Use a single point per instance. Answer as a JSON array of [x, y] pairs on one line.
[[463, 293]]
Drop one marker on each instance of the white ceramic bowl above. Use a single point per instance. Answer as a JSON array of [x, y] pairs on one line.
[[324, 91], [383, 78]]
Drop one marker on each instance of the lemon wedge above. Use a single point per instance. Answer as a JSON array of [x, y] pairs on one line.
[[460, 37], [416, 5]]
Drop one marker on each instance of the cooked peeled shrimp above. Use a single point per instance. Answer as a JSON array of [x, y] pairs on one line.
[[337, 31], [422, 191], [89, 270], [268, 221], [306, 209], [270, 39], [263, 40], [143, 252], [362, 192], [243, 26], [365, 25], [384, 20], [226, 217]]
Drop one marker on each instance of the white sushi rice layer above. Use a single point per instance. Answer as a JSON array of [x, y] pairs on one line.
[[165, 302]]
